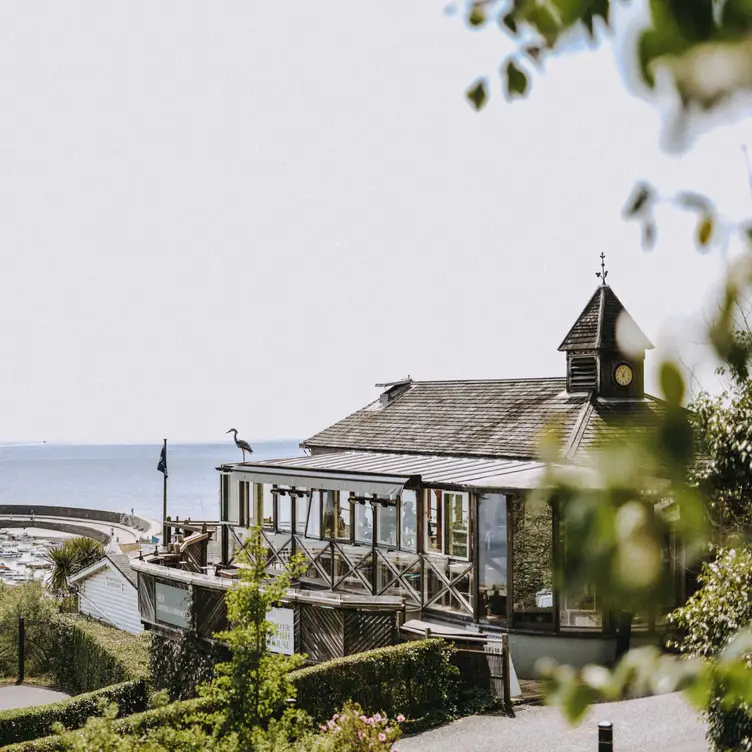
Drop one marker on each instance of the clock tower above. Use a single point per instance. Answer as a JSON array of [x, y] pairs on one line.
[[606, 349]]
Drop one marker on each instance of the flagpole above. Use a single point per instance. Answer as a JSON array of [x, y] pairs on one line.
[[165, 533]]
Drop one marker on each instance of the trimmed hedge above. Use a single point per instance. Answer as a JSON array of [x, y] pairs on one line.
[[31, 723], [86, 655], [416, 679]]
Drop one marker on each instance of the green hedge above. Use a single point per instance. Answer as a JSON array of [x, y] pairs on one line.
[[86, 655], [31, 723], [416, 679]]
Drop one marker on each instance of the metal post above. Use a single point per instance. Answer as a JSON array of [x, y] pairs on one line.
[[21, 650], [507, 674], [605, 736]]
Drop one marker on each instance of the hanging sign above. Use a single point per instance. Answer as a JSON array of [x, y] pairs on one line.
[[283, 639]]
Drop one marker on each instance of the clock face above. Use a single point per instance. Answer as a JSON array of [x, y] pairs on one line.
[[623, 374]]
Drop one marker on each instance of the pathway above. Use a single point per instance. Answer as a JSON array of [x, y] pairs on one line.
[[664, 723], [25, 696]]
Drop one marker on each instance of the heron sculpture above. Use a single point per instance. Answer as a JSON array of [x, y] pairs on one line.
[[244, 446]]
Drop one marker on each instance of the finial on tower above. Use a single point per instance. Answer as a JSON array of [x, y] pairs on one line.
[[603, 273]]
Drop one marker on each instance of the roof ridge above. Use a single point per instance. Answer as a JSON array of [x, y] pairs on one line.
[[491, 381], [601, 315]]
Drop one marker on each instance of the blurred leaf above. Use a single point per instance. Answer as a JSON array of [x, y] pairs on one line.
[[542, 19], [705, 230], [639, 200], [672, 383], [509, 21], [576, 699], [534, 52], [694, 201], [736, 16], [597, 9], [649, 234], [477, 16], [693, 18], [477, 94], [516, 80], [570, 11]]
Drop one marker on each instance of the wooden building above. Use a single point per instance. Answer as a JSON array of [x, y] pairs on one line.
[[107, 591], [411, 512]]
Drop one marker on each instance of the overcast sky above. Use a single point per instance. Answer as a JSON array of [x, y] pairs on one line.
[[238, 214]]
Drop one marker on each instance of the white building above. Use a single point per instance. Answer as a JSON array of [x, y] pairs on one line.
[[108, 591]]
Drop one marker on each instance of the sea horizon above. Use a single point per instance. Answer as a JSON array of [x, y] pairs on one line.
[[121, 477]]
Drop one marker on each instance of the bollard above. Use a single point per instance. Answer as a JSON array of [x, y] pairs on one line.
[[605, 736], [21, 650]]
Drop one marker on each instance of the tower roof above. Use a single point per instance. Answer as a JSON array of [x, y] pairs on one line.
[[605, 324]]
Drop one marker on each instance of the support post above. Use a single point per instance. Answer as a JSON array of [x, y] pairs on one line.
[[505, 662], [21, 649], [605, 736], [165, 529]]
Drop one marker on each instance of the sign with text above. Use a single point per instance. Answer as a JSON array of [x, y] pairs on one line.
[[283, 640], [173, 604]]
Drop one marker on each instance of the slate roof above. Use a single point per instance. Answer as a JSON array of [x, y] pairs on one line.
[[502, 418], [121, 562], [596, 327]]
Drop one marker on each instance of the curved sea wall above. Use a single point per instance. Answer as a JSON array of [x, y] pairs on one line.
[[142, 524]]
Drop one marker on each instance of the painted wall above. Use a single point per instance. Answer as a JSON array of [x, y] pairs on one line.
[[107, 595]]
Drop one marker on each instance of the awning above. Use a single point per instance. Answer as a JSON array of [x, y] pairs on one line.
[[361, 484]]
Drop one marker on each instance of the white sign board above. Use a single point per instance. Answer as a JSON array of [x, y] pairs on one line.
[[283, 639]]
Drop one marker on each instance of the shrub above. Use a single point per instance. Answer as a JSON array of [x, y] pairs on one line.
[[416, 679], [31, 723], [709, 619], [86, 655]]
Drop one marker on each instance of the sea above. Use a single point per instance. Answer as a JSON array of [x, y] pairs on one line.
[[121, 477]]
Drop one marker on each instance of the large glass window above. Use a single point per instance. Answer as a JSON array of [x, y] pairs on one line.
[[408, 521], [364, 523], [313, 524], [386, 525], [533, 562], [337, 515], [284, 512], [301, 513], [457, 516], [492, 555], [434, 527], [579, 608]]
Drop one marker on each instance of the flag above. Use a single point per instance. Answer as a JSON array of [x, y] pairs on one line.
[[162, 466]]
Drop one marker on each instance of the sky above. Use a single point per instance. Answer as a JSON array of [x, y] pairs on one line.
[[245, 215]]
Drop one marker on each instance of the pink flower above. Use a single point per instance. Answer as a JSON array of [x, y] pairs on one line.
[[400, 719], [335, 716], [382, 737], [330, 724], [364, 719], [361, 734], [377, 717], [322, 727]]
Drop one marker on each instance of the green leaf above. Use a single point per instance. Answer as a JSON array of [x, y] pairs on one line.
[[510, 22], [534, 52], [694, 201], [516, 80], [693, 18], [576, 699], [477, 94], [672, 383], [639, 201], [541, 18], [705, 230], [477, 16], [736, 16]]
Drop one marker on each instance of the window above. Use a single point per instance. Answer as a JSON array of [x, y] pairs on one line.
[[363, 523], [337, 515], [492, 555], [313, 523], [284, 511], [301, 513], [408, 520], [243, 495], [457, 515], [386, 524], [434, 528], [533, 562]]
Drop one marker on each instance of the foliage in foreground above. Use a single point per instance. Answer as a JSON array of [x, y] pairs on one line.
[[32, 723], [710, 621]]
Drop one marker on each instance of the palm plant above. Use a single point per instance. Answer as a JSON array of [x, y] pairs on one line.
[[72, 556]]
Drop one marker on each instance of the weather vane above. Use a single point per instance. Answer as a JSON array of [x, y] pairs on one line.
[[603, 273]]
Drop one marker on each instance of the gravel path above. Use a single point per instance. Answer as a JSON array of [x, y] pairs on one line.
[[12, 696], [665, 723]]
